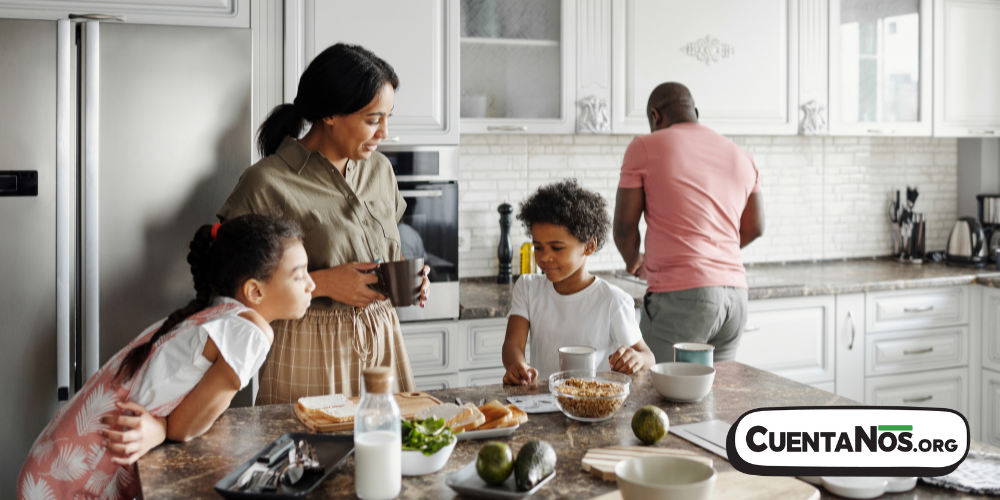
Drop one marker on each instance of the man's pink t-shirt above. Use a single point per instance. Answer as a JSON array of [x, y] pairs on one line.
[[697, 184]]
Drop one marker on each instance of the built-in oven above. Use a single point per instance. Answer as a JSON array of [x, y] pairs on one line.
[[428, 180]]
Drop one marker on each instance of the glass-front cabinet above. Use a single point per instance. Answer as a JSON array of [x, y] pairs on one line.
[[880, 67], [517, 61]]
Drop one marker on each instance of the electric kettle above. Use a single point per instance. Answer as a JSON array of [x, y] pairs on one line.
[[967, 243]]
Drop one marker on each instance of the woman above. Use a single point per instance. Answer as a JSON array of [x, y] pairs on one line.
[[344, 196]]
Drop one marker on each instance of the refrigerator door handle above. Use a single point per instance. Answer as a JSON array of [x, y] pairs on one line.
[[64, 179], [92, 289]]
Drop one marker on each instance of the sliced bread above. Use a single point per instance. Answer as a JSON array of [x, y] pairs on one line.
[[450, 412], [339, 414], [472, 423], [518, 415], [494, 411], [313, 404]]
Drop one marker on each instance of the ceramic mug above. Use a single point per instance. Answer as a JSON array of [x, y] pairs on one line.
[[577, 357], [691, 352]]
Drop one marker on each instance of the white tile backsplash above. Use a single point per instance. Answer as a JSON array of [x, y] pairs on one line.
[[824, 197]]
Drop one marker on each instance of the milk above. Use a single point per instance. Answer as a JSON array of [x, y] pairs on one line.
[[377, 456]]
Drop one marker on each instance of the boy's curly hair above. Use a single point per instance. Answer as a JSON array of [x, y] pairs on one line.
[[582, 212]]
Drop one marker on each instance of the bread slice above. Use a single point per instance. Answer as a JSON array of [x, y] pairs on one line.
[[472, 423], [494, 411], [518, 415], [495, 424], [339, 414], [450, 412], [313, 404]]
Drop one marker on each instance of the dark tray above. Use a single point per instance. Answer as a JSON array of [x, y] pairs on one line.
[[332, 451]]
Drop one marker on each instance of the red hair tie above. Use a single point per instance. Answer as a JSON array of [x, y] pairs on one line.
[[215, 230]]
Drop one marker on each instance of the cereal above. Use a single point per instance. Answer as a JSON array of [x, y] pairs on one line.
[[590, 408]]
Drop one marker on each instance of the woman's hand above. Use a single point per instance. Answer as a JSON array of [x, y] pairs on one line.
[[625, 360], [425, 286], [347, 283], [520, 374], [137, 435]]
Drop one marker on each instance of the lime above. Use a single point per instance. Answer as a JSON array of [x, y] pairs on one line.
[[650, 424], [494, 463]]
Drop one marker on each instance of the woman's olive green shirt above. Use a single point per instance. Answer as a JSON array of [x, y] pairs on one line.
[[344, 218]]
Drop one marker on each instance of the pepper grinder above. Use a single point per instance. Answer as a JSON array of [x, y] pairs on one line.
[[505, 250]]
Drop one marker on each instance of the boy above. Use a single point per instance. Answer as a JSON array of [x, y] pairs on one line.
[[568, 306]]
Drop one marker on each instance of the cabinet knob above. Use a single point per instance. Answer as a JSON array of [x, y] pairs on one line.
[[508, 128], [751, 329], [917, 309], [881, 131], [917, 400]]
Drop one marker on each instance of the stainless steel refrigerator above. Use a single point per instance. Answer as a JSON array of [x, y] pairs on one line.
[[117, 141]]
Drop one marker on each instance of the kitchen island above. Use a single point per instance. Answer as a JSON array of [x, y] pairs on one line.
[[189, 470]]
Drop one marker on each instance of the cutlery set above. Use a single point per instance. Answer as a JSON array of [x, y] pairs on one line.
[[285, 463]]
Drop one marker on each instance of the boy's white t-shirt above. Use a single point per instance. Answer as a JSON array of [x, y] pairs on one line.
[[601, 316]]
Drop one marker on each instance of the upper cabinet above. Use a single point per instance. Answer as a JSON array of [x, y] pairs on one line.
[[739, 59], [218, 13], [517, 66], [966, 68], [880, 67], [419, 38]]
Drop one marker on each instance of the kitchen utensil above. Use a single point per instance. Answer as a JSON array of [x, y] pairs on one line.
[[577, 357], [400, 281], [601, 462], [736, 485], [410, 403], [664, 478], [692, 352], [683, 382], [710, 435], [415, 463], [466, 481], [486, 434], [330, 452], [966, 243], [856, 487], [535, 403], [276, 452], [590, 408]]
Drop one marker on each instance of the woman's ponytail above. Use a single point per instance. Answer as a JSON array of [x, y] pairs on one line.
[[283, 121], [201, 270]]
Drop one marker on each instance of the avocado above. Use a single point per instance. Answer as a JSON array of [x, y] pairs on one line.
[[494, 463], [535, 462], [650, 424]]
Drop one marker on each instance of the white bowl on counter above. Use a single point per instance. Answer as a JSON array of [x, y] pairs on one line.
[[683, 382], [415, 463], [664, 478]]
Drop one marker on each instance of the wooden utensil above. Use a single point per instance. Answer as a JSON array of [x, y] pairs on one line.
[[410, 403], [735, 485], [601, 462]]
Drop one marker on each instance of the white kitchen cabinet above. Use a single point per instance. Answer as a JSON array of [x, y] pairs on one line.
[[481, 343], [219, 13], [932, 389], [991, 407], [907, 351], [880, 67], [921, 308], [419, 38], [518, 61], [488, 376], [991, 329], [791, 337], [849, 346], [740, 60], [436, 382], [966, 68], [432, 347]]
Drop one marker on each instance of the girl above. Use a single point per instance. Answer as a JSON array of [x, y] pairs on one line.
[[184, 369]]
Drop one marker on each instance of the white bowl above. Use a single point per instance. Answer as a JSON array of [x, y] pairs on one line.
[[684, 382], [664, 478], [415, 463], [856, 487]]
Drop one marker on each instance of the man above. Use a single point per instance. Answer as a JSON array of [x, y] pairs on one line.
[[701, 198]]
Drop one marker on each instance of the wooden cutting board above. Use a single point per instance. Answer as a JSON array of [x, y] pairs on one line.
[[601, 462], [735, 485], [410, 403]]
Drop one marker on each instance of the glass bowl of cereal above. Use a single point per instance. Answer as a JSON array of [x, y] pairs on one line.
[[589, 395]]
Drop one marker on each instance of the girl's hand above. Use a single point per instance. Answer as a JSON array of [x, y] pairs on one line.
[[625, 360], [425, 286], [520, 374], [347, 283], [137, 435]]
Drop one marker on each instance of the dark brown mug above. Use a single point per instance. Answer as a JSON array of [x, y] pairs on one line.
[[400, 281]]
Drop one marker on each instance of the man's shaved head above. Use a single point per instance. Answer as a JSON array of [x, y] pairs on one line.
[[670, 103]]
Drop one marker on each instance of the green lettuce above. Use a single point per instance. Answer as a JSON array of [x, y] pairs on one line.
[[427, 436]]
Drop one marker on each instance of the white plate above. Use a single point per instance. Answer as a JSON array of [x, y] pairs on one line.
[[467, 482], [487, 434], [900, 484], [856, 487]]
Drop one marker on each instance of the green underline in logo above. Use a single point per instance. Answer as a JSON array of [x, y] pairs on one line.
[[895, 427]]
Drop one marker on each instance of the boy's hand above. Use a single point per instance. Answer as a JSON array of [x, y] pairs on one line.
[[625, 360], [520, 374]]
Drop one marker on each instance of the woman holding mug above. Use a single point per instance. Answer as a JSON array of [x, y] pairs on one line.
[[344, 195]]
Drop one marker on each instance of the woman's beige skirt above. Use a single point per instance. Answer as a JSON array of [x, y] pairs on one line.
[[326, 352]]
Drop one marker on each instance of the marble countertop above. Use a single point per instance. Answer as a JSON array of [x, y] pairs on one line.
[[190, 470], [484, 298]]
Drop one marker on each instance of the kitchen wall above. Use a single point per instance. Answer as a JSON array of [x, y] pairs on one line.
[[824, 197]]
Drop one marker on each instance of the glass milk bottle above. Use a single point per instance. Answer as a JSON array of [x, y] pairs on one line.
[[377, 439]]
